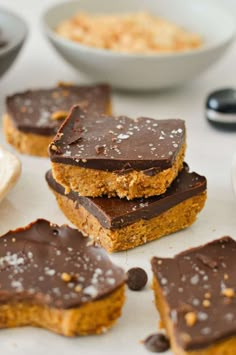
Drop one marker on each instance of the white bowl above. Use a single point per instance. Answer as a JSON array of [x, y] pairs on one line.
[[138, 71], [14, 30]]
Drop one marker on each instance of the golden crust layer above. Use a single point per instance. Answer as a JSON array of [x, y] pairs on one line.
[[138, 233], [26, 143], [134, 184], [91, 318], [226, 347]]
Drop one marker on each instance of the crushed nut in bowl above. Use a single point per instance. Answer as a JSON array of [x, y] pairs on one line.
[[138, 32]]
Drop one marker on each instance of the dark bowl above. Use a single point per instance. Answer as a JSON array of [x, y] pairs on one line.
[[13, 31]]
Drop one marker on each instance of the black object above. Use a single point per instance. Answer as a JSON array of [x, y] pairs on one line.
[[136, 278], [221, 109], [157, 343]]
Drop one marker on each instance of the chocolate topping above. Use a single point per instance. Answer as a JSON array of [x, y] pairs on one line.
[[47, 264], [114, 213], [157, 343], [199, 288], [140, 144], [32, 111], [136, 278]]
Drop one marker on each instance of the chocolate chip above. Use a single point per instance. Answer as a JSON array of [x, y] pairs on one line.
[[157, 343], [137, 278]]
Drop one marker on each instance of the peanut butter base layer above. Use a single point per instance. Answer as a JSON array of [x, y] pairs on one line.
[[134, 184], [226, 347], [138, 233], [195, 295], [26, 143], [91, 318]]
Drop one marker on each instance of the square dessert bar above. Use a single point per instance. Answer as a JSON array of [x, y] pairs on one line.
[[33, 117], [97, 155], [53, 277], [195, 295], [120, 224]]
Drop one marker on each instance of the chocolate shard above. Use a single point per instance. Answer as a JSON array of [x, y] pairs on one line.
[[140, 144], [32, 111], [198, 286]]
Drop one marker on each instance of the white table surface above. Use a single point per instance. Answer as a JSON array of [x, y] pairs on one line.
[[209, 152]]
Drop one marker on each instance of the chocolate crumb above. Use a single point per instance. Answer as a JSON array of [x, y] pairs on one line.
[[206, 260], [75, 138], [99, 149], [151, 171], [157, 343], [136, 278]]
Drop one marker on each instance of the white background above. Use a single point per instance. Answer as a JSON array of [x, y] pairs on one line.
[[209, 152]]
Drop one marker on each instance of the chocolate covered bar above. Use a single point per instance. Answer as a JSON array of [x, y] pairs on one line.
[[195, 295], [120, 224], [53, 277], [97, 155], [33, 117]]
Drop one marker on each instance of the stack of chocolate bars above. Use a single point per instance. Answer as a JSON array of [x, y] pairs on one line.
[[123, 181]]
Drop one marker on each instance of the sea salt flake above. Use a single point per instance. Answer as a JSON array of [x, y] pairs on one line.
[[164, 281], [17, 285], [229, 317], [202, 316], [111, 281], [123, 136], [174, 316], [205, 331], [196, 302], [194, 280], [50, 272], [90, 291]]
